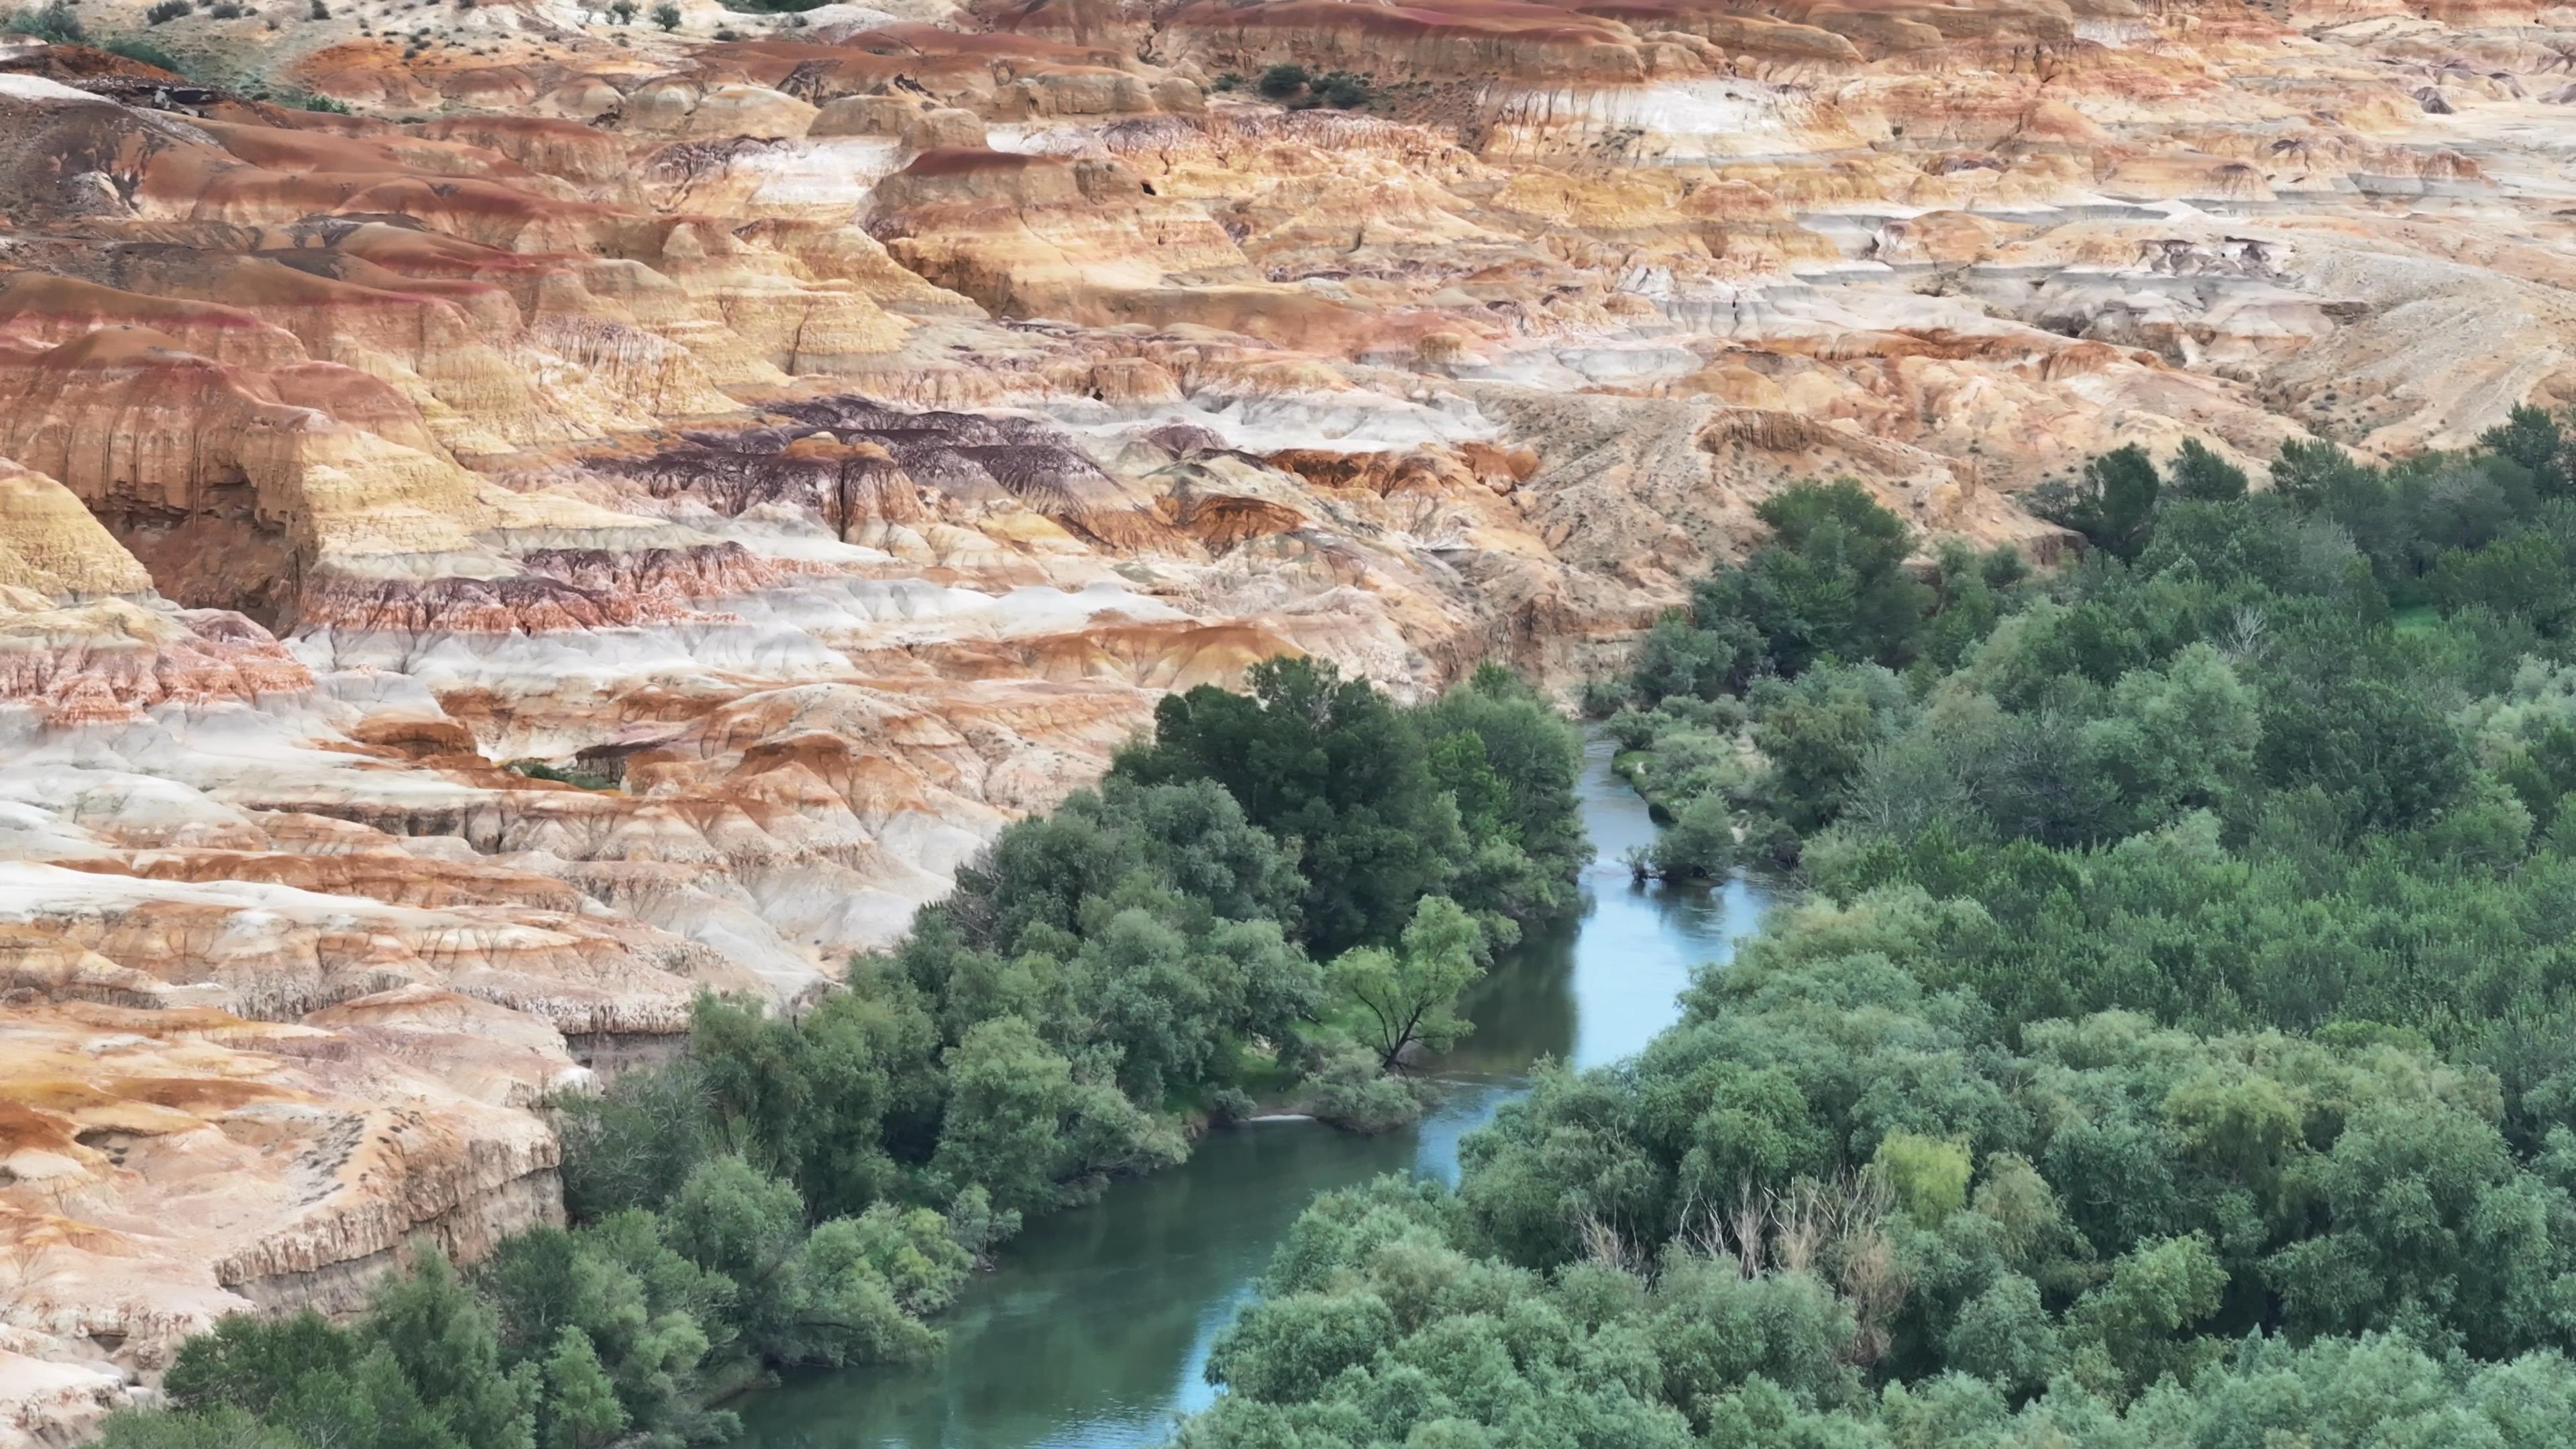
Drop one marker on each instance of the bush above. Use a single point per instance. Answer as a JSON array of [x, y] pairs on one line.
[[1282, 81], [228, 10], [1228, 81], [321, 10], [539, 769], [325, 103], [163, 13], [1353, 1093], [144, 51], [1602, 698], [667, 15], [623, 10], [1342, 90], [55, 23]]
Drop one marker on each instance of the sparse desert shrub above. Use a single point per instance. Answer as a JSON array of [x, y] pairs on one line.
[[667, 15], [146, 52], [165, 12], [55, 23], [1282, 81]]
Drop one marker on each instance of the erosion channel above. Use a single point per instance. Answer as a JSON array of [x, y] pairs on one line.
[[1093, 1331]]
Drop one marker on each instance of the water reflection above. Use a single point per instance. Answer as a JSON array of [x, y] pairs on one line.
[[1094, 1332]]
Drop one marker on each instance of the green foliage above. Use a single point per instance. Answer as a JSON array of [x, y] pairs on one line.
[[1282, 81], [2110, 504], [146, 52], [1372, 794], [1409, 994], [207, 1429], [1226, 81], [1830, 583], [445, 1341], [1020, 1123], [1343, 90], [2175, 1049], [1929, 1178], [533, 769], [582, 1411], [2201, 476], [168, 10], [56, 23], [667, 15]]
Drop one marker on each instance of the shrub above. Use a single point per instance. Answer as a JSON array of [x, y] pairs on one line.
[[321, 10], [163, 13], [624, 10], [667, 15], [1342, 90], [228, 10], [1229, 81], [325, 103], [55, 23], [144, 51], [1282, 81]]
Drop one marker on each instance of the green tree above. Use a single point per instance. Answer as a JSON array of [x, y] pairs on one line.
[[1408, 997], [1829, 583], [2200, 475], [2005, 1336], [1284, 80], [1329, 763], [581, 1406], [2138, 1321], [2111, 503], [1021, 1124], [2530, 437], [444, 1340], [252, 1363]]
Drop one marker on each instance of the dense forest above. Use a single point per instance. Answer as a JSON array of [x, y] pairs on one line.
[[2174, 1046], [1277, 896]]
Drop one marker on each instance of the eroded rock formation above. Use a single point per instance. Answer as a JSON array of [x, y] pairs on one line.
[[593, 514]]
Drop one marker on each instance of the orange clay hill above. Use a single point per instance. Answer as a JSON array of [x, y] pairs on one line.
[[821, 438]]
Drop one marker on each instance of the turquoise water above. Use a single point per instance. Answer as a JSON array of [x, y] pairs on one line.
[[1093, 1331]]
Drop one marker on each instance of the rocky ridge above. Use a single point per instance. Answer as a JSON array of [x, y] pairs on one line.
[[601, 513]]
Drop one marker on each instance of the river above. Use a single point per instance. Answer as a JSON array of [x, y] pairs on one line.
[[1092, 1332]]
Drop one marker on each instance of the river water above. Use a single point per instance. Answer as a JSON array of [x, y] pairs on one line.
[[1093, 1331]]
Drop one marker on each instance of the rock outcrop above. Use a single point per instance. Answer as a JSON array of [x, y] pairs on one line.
[[513, 520]]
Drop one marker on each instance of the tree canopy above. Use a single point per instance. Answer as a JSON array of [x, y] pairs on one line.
[[2174, 1045]]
